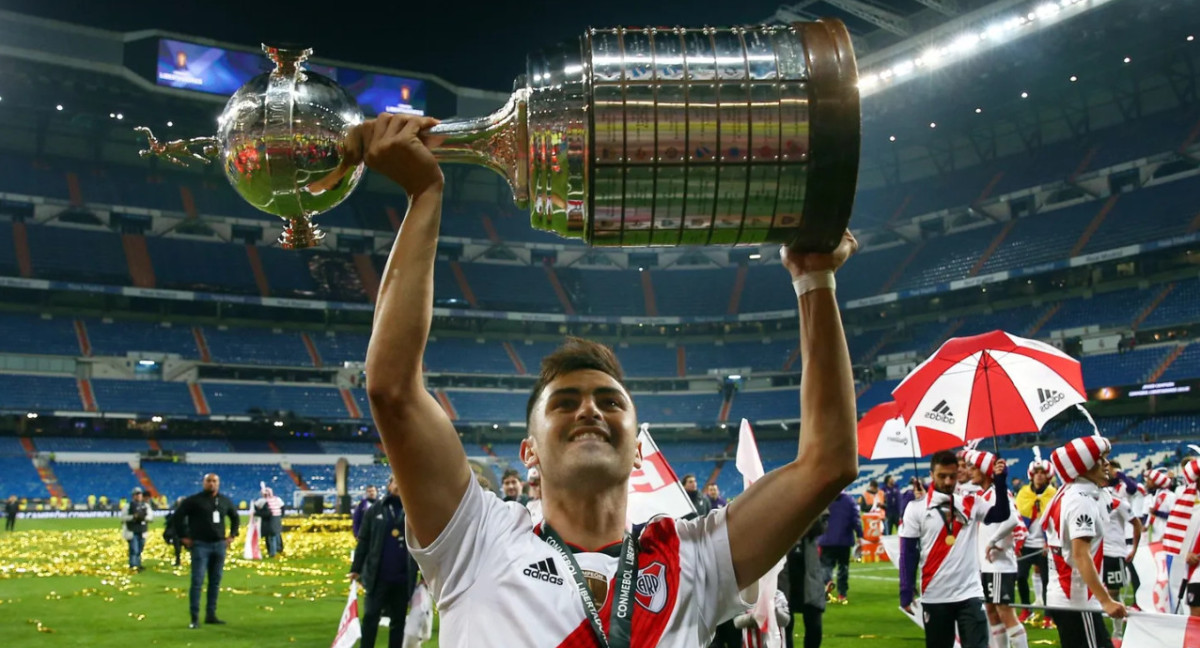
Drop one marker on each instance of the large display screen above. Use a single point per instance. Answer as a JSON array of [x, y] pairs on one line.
[[216, 70]]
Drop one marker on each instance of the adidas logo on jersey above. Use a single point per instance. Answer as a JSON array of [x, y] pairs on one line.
[[941, 412], [544, 570], [1049, 398]]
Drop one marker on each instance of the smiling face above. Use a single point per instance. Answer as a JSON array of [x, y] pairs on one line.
[[582, 432]]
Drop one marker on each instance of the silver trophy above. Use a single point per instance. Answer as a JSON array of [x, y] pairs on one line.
[[626, 137]]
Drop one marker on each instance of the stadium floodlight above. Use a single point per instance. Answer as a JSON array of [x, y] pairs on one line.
[[278, 424], [933, 124], [495, 426], [1190, 38], [755, 256], [1126, 59], [735, 376], [146, 363], [58, 107], [120, 116], [31, 415], [1074, 78], [156, 419], [1024, 95], [170, 124], [971, 34], [978, 111], [891, 138], [723, 426]]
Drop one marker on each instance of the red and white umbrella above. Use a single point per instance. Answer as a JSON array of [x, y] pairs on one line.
[[990, 384], [883, 434]]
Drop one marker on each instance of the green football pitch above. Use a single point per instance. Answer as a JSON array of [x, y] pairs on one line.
[[64, 583]]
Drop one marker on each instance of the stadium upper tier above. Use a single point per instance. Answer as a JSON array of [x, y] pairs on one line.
[[1080, 224]]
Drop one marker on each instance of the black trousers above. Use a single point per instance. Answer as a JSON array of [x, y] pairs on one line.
[[1082, 630], [942, 620], [813, 631], [10, 521], [838, 557], [389, 597], [1028, 559]]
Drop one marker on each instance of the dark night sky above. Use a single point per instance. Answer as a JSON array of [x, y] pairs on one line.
[[475, 44]]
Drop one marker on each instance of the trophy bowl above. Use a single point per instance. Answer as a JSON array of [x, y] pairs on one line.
[[624, 137]]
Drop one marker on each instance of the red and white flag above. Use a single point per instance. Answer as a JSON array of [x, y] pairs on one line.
[[749, 463], [349, 628], [1151, 630], [654, 489]]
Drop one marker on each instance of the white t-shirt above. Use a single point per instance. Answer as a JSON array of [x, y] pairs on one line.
[[949, 573], [1000, 536], [496, 583], [1078, 511], [1119, 515]]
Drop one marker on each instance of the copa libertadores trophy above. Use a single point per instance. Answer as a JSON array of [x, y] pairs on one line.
[[625, 137]]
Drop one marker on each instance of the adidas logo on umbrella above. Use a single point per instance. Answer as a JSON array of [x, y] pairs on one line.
[[941, 412], [1049, 398]]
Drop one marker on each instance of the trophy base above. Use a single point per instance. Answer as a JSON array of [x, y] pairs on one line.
[[300, 234]]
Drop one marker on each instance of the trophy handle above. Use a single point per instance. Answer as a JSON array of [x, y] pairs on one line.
[[179, 151], [496, 141]]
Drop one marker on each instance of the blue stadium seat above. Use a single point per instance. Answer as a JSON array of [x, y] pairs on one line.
[[771, 405], [272, 400], [488, 405], [39, 393], [20, 332], [77, 253], [143, 397], [119, 337], [1187, 365], [79, 480], [1128, 368], [245, 345]]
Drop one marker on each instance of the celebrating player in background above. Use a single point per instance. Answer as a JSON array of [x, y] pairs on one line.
[[942, 530], [997, 558], [1117, 555], [498, 580], [1032, 501], [1074, 524]]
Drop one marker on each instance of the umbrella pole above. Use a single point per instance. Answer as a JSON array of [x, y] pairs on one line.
[[987, 381]]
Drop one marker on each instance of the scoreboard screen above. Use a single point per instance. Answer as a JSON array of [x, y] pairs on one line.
[[216, 70]]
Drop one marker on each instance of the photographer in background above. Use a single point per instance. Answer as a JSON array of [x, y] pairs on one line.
[[135, 521]]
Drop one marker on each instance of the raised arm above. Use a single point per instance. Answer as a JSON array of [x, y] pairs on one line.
[[768, 518], [427, 458]]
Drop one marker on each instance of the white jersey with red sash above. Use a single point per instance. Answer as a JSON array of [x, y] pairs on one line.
[[949, 569], [497, 583], [1000, 538], [1119, 514], [1078, 510]]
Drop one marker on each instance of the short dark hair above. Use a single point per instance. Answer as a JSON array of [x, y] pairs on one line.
[[575, 354], [1114, 464], [687, 477], [511, 472], [943, 458]]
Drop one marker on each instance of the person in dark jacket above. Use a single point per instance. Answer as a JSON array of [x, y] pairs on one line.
[[803, 580], [891, 505], [843, 533], [384, 568], [200, 524], [698, 498], [369, 498], [135, 522], [171, 534], [11, 507]]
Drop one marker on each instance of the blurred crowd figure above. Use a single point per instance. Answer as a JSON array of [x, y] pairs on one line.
[[135, 523]]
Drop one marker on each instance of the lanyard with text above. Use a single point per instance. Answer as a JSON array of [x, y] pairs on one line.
[[621, 615]]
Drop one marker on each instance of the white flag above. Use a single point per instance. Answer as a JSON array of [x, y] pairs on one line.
[[349, 628], [749, 463], [250, 550], [1152, 630], [654, 489]]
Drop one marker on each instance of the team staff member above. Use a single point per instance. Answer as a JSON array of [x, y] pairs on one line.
[[200, 524], [1032, 500]]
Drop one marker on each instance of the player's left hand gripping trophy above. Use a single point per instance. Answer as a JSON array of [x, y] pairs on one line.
[[624, 137]]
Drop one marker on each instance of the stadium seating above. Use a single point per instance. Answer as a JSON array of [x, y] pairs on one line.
[[1122, 368], [19, 477], [79, 480], [143, 396], [26, 333], [271, 401], [39, 393], [89, 444], [239, 482]]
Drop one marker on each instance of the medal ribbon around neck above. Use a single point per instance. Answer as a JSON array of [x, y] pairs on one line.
[[620, 621]]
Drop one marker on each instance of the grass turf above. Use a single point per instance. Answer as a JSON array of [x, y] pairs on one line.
[[64, 583]]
